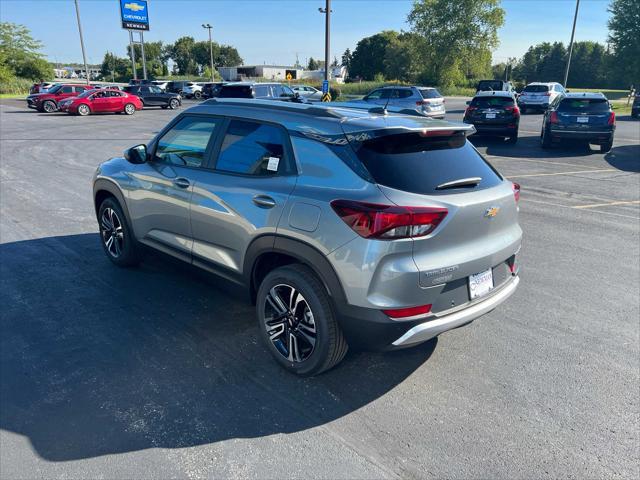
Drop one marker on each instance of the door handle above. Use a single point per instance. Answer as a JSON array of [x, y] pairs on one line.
[[264, 201], [182, 182]]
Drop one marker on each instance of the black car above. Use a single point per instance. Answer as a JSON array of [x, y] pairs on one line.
[[579, 116], [176, 87], [261, 91], [139, 81], [211, 90], [494, 113], [152, 96], [494, 86], [635, 108]]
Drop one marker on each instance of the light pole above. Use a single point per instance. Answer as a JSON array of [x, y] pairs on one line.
[[327, 36], [573, 31], [209, 27], [84, 56]]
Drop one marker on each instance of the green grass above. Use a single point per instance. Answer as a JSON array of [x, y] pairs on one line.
[[14, 95], [621, 108], [15, 86]]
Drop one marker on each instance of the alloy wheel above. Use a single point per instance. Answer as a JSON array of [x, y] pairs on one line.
[[83, 110], [289, 323], [173, 104], [112, 232], [129, 109], [49, 107]]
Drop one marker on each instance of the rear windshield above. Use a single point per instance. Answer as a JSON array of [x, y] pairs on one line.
[[485, 102], [536, 88], [430, 93], [415, 163], [240, 91], [490, 85], [584, 105]]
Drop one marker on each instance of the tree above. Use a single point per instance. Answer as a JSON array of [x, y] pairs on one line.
[[182, 53], [454, 33], [335, 62], [346, 59], [624, 39], [368, 57], [115, 68], [400, 58], [20, 55], [312, 65]]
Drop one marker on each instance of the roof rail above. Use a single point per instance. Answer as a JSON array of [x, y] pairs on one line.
[[303, 109]]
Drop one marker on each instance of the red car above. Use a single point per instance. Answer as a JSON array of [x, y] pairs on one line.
[[48, 101], [102, 100]]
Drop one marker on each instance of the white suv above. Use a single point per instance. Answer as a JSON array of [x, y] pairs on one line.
[[192, 90], [539, 95]]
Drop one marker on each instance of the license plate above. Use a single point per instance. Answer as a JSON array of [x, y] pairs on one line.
[[583, 119], [480, 283], [490, 115]]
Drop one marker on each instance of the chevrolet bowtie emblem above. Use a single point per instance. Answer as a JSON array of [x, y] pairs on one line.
[[491, 212]]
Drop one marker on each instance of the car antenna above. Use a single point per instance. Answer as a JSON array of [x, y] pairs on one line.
[[384, 109]]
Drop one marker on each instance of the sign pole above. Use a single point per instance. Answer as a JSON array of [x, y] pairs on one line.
[[573, 32], [144, 60], [133, 55]]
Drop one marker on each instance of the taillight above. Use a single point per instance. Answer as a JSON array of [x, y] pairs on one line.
[[553, 118], [516, 191], [515, 111], [408, 313], [388, 222], [422, 102], [548, 94], [470, 109], [612, 119]]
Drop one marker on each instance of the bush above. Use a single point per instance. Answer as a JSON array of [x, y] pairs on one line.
[[15, 86]]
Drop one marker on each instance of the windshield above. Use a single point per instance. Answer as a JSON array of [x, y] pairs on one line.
[[416, 163], [54, 89], [536, 88], [575, 105], [86, 93], [490, 85], [485, 102]]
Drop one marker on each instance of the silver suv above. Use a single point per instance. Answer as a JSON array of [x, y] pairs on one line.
[[425, 100], [345, 227]]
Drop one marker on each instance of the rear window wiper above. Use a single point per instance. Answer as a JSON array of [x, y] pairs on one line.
[[462, 182]]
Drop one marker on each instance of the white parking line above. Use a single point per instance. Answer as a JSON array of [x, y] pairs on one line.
[[567, 206], [595, 205], [532, 160], [563, 173]]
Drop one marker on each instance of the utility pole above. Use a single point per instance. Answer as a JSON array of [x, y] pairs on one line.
[[209, 27], [573, 31], [144, 59], [327, 37], [84, 56]]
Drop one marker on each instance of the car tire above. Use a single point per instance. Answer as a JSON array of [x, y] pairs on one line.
[[306, 339], [174, 103], [49, 106], [197, 95], [605, 147], [512, 139], [545, 138], [129, 109], [83, 110], [116, 236]]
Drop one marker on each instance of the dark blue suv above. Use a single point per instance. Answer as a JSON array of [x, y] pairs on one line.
[[579, 116]]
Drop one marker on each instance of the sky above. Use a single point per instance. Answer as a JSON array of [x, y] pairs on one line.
[[273, 31]]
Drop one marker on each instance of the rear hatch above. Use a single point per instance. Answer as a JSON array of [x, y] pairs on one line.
[[443, 170], [535, 94], [494, 110], [584, 113], [432, 99]]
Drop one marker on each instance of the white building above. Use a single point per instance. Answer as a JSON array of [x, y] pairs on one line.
[[278, 73]]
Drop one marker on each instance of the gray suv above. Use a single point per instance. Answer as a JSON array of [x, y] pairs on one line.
[[426, 101], [345, 227]]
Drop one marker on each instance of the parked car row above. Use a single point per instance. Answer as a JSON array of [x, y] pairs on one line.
[[569, 116]]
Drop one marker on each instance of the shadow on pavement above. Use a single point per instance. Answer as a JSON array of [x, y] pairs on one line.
[[626, 158], [97, 360], [529, 147]]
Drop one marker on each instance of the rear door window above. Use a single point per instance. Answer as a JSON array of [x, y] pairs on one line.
[[416, 163], [402, 93], [584, 105], [253, 148], [236, 91], [262, 90]]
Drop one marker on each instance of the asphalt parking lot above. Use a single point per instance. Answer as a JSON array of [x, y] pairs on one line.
[[155, 372]]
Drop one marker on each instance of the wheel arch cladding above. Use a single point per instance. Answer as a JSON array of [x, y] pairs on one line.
[[103, 189], [275, 251]]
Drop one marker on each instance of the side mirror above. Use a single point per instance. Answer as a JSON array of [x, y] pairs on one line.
[[567, 91], [137, 154]]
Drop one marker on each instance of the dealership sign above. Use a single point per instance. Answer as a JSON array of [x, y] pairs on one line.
[[134, 14]]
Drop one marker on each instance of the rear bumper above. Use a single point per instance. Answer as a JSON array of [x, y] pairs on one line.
[[493, 128], [434, 327], [600, 135]]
